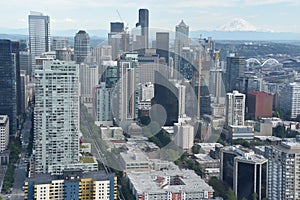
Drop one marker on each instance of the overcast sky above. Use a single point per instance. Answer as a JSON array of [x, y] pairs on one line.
[[277, 15]]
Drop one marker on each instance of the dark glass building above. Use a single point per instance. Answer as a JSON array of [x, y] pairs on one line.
[[245, 172], [144, 24], [250, 177], [234, 69], [116, 27], [81, 46], [8, 84]]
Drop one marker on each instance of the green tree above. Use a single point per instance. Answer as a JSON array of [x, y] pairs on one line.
[[231, 195], [254, 196], [196, 149], [219, 187]]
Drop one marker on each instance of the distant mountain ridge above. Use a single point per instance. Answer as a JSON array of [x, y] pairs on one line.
[[15, 34]]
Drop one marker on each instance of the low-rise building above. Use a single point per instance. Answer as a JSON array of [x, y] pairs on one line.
[[168, 185], [72, 184], [134, 161], [241, 132]]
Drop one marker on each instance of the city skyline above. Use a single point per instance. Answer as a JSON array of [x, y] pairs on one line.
[[275, 15]]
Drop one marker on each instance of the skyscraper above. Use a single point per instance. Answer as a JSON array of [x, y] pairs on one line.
[[89, 78], [162, 45], [235, 109], [234, 69], [102, 105], [39, 35], [144, 24], [127, 99], [284, 170], [59, 43], [116, 27], [181, 40], [290, 99], [56, 133], [8, 84], [81, 46]]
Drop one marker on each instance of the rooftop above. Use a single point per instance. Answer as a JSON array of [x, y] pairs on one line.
[[160, 182], [48, 178], [3, 119]]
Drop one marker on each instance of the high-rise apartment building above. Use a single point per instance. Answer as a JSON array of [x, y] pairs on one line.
[[144, 24], [39, 35], [235, 109], [284, 170], [81, 46], [4, 133], [102, 105], [234, 69], [126, 88], [290, 99], [8, 83], [56, 134], [146, 94], [162, 45], [89, 78]]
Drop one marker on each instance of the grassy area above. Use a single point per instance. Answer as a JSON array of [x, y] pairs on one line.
[[86, 159]]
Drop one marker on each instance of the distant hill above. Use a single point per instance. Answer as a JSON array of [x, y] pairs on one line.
[[16, 34], [245, 35]]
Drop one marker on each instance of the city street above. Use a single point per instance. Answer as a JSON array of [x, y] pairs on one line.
[[21, 165]]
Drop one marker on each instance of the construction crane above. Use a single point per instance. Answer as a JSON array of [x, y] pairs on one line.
[[125, 28]]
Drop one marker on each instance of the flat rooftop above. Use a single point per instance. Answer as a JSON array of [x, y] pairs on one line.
[[156, 182]]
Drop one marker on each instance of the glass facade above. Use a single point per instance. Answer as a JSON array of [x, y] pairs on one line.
[[8, 84]]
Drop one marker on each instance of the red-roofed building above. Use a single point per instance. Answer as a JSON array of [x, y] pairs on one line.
[[260, 104]]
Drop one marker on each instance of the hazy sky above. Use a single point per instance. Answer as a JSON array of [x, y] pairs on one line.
[[277, 15]]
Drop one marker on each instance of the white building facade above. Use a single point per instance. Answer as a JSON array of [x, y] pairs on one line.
[[56, 134], [235, 109], [4, 132]]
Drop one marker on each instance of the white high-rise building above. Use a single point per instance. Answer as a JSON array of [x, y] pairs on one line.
[[145, 96], [4, 132], [56, 133], [89, 78], [39, 35], [290, 99], [184, 135], [284, 170], [126, 88], [181, 99], [235, 109]]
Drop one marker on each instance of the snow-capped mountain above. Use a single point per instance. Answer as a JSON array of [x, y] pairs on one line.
[[240, 25]]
